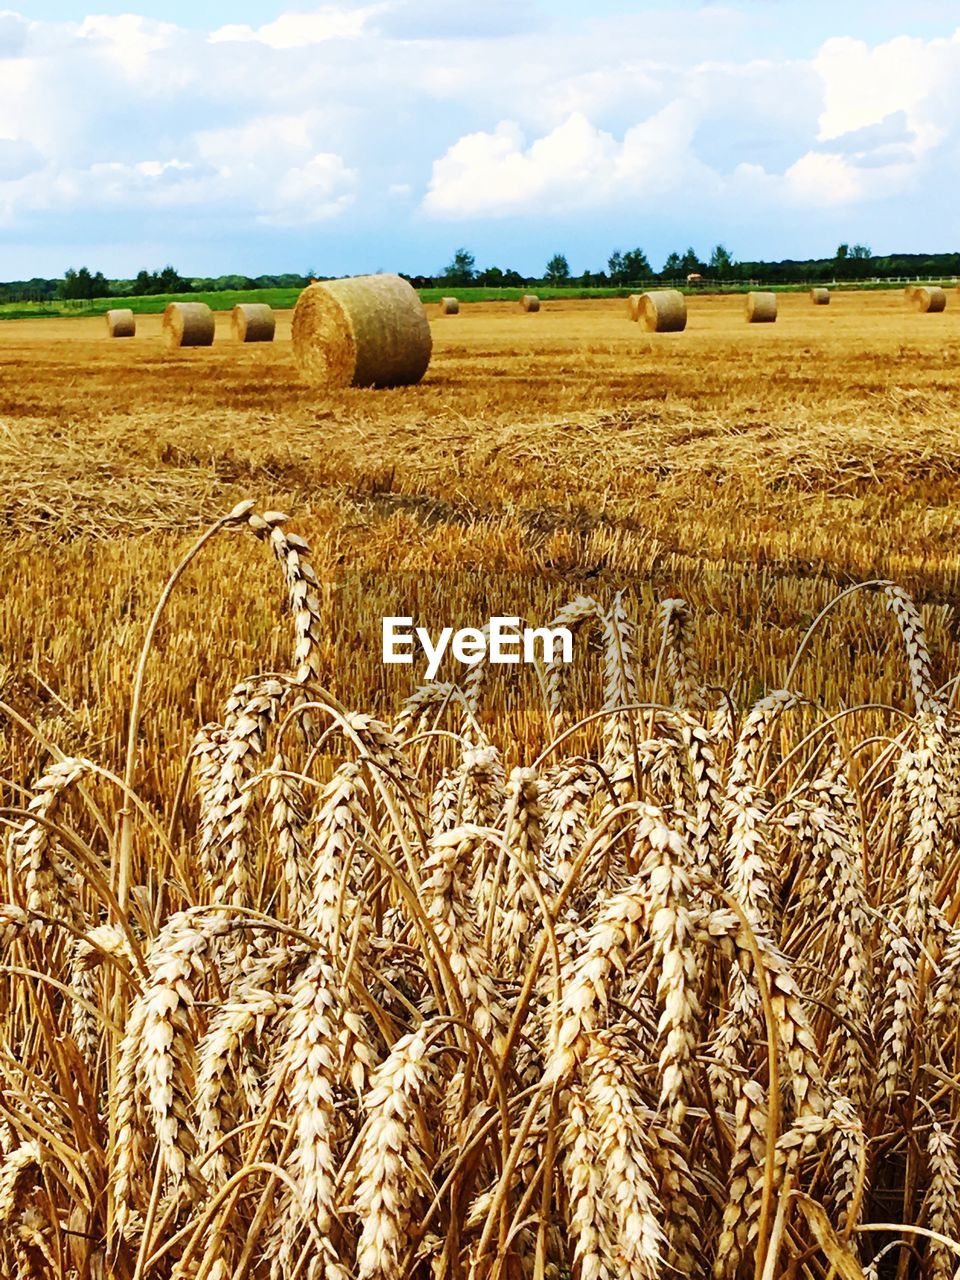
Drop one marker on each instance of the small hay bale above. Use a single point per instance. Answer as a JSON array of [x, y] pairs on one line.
[[529, 302], [121, 323], [364, 331], [253, 322], [761, 308], [932, 299], [633, 306], [820, 297], [449, 306], [662, 311], [188, 324]]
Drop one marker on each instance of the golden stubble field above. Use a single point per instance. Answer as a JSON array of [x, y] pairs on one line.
[[447, 993], [751, 458]]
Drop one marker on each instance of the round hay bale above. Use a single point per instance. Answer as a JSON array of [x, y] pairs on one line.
[[121, 323], [761, 308], [253, 322], [449, 306], [366, 331], [663, 311], [633, 306], [930, 299], [909, 291], [188, 324], [820, 297], [529, 302]]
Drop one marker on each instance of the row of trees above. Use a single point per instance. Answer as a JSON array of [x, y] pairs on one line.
[[84, 284], [850, 262], [633, 266]]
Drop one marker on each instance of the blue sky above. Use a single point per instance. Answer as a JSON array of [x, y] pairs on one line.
[[383, 134]]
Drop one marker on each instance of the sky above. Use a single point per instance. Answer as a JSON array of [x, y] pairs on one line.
[[385, 134]]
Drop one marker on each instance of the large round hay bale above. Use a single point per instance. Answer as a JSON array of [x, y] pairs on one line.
[[365, 331], [449, 306], [188, 324], [529, 302], [253, 322], [930, 299], [662, 311], [121, 323], [820, 297], [761, 308]]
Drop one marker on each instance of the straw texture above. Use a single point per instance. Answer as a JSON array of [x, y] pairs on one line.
[[253, 322], [662, 311], [761, 308], [121, 323], [188, 324], [367, 331], [932, 299], [529, 302]]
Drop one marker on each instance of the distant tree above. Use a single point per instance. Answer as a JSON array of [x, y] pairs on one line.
[[83, 284], [629, 267], [513, 279], [169, 281], [690, 262], [492, 277], [843, 259], [461, 270], [860, 252], [558, 270], [721, 262], [636, 266], [166, 281], [673, 265]]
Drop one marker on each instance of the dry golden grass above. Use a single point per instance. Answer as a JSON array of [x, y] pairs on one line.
[[490, 1016], [823, 445]]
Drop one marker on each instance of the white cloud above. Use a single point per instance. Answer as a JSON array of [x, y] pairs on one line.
[[493, 173], [17, 159], [299, 30], [823, 177], [129, 41], [864, 86], [575, 166], [314, 192], [393, 109]]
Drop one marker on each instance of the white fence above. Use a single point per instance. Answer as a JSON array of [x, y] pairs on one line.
[[711, 282]]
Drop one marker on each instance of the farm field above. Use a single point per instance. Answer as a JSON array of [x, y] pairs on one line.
[[561, 443], [280, 298], [490, 1011]]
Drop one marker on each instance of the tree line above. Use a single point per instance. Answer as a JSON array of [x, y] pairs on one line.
[[623, 268], [849, 262], [82, 284]]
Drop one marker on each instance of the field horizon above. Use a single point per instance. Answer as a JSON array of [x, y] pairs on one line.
[[422, 979], [285, 299]]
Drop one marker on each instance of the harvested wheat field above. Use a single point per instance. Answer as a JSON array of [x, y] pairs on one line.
[[640, 966]]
